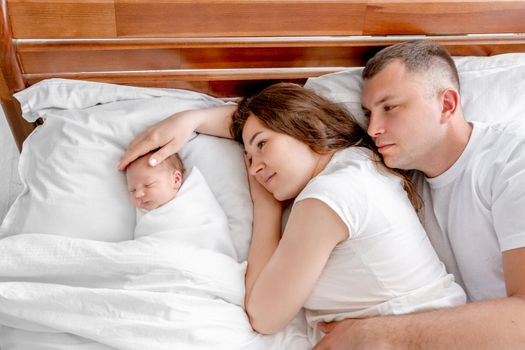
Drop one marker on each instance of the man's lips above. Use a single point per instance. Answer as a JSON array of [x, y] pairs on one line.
[[384, 146]]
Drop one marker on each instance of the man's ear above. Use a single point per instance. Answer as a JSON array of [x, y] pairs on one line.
[[177, 179], [449, 104]]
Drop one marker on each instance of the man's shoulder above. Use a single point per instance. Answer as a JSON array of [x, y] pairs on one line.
[[499, 140], [506, 130]]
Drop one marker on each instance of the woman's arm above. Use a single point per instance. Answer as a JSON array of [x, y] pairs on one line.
[[282, 272], [173, 132]]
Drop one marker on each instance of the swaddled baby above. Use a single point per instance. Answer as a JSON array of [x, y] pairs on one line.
[[174, 205]]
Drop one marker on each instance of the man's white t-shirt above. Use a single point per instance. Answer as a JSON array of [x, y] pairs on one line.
[[476, 209], [387, 266]]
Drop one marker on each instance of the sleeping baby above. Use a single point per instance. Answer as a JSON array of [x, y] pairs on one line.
[[151, 187], [172, 204]]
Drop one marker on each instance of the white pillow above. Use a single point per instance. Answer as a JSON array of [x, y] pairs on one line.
[[68, 165], [492, 88]]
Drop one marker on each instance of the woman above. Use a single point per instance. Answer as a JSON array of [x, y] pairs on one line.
[[353, 245]]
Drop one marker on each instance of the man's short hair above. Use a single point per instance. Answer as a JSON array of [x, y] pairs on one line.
[[418, 56]]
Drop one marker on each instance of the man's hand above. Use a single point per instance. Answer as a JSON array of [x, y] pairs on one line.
[[354, 334]]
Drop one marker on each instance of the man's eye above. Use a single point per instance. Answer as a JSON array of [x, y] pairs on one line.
[[388, 108], [366, 114]]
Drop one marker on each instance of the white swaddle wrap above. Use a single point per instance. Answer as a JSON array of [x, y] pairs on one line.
[[193, 218]]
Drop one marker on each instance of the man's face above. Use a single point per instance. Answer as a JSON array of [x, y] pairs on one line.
[[404, 119]]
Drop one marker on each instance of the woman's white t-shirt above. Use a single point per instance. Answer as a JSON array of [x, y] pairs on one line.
[[387, 266]]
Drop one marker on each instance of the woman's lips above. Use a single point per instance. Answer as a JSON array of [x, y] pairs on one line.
[[269, 179]]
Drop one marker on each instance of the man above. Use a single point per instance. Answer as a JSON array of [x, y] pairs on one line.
[[472, 182]]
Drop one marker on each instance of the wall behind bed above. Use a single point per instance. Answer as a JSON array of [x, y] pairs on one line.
[[10, 185]]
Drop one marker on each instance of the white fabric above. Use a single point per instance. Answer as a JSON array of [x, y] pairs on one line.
[[492, 90], [150, 293], [387, 266], [71, 186], [192, 218], [474, 211]]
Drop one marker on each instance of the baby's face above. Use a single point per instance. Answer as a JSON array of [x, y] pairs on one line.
[[151, 187]]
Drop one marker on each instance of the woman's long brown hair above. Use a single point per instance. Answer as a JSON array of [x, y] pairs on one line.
[[314, 120]]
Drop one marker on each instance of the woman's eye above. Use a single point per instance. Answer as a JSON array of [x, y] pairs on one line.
[[261, 144]]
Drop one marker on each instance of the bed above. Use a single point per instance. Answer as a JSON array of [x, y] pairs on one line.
[[114, 67]]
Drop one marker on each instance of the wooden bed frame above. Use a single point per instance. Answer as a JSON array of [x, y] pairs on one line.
[[231, 47]]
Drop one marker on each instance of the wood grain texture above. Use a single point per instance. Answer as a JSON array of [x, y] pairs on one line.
[[209, 18], [62, 19], [210, 58], [444, 17], [238, 18]]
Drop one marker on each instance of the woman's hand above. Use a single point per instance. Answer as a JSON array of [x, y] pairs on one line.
[[261, 196], [169, 135], [172, 133]]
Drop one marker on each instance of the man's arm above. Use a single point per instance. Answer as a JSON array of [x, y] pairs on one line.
[[491, 324]]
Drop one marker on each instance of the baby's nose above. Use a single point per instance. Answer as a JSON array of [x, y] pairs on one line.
[[139, 194]]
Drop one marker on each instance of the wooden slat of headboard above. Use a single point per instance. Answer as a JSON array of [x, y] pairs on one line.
[[62, 18], [208, 18], [238, 18], [444, 17], [180, 58], [81, 58]]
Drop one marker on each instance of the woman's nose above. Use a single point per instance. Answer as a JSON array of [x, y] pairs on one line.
[[255, 166]]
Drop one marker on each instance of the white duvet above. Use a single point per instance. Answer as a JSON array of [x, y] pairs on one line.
[[178, 285], [69, 293]]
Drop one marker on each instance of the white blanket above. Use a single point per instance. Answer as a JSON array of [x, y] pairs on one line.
[[69, 293]]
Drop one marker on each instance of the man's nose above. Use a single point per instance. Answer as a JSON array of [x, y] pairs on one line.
[[375, 126]]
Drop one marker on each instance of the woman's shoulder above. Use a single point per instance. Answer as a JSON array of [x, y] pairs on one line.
[[353, 175], [345, 174], [352, 164]]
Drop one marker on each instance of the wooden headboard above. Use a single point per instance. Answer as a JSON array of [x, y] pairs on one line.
[[228, 48]]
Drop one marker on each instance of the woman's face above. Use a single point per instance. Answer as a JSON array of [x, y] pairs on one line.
[[282, 164]]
